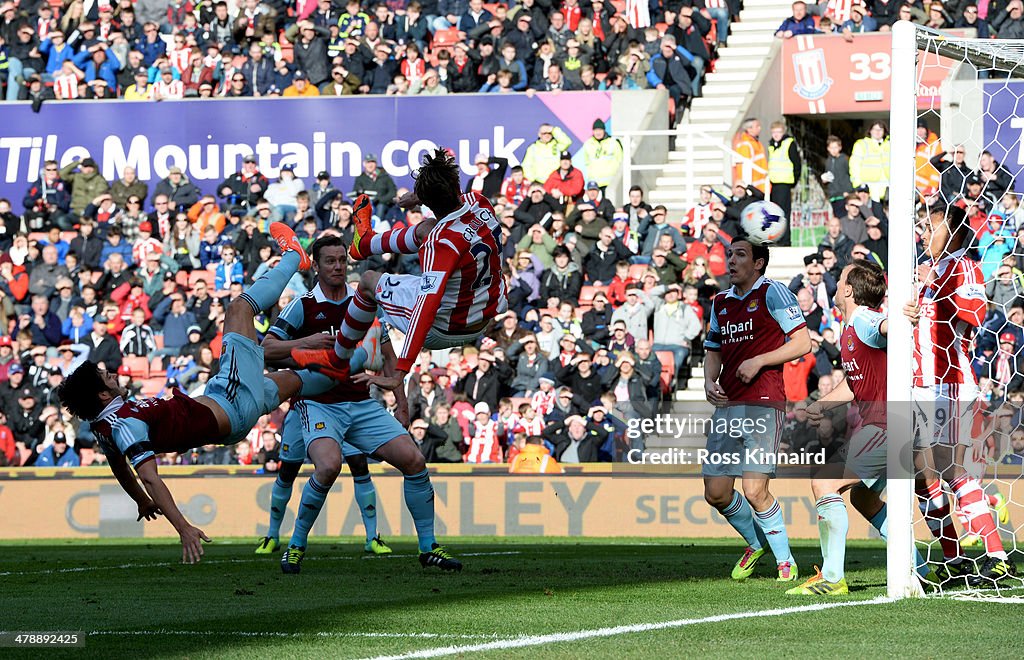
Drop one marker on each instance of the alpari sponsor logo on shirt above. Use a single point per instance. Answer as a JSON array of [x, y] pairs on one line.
[[736, 331], [852, 369]]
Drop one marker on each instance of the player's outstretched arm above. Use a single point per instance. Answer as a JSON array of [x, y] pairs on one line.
[[191, 537], [148, 509], [838, 396]]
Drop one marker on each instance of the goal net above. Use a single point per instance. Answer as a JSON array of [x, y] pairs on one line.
[[956, 491]]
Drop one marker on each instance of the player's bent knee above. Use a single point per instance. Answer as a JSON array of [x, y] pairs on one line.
[[415, 464], [718, 496], [326, 457], [357, 465], [368, 283], [289, 470], [756, 492]]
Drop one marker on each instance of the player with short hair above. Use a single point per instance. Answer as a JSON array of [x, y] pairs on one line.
[[951, 305], [756, 326], [349, 416], [311, 321], [859, 295], [460, 291], [234, 400]]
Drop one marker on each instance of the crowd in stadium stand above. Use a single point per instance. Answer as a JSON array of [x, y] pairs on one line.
[[154, 50], [1000, 20]]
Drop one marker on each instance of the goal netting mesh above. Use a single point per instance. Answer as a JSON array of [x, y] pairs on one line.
[[968, 362]]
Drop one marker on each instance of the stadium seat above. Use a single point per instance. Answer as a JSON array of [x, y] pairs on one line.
[[152, 386], [36, 236], [662, 27], [159, 341], [287, 49], [588, 292], [445, 38], [518, 401], [668, 371], [636, 271], [181, 277], [197, 275], [138, 366]]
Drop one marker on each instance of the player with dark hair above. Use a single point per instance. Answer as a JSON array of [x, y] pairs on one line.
[[756, 326], [311, 321], [951, 305], [860, 292], [345, 422], [235, 398], [459, 293]]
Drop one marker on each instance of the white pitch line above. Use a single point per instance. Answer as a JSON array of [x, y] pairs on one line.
[[539, 640], [162, 564]]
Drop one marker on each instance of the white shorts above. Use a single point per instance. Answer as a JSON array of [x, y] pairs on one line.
[[944, 414], [865, 456], [396, 297]]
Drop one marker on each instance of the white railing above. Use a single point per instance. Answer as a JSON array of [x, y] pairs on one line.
[[684, 135]]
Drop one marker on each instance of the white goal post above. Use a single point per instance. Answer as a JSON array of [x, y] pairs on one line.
[[969, 63], [901, 581]]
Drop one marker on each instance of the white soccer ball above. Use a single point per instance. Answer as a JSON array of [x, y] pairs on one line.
[[763, 222]]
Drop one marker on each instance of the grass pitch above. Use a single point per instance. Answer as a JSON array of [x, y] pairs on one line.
[[549, 598]]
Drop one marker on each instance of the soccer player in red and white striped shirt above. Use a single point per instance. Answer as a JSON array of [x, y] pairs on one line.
[[950, 307], [460, 291]]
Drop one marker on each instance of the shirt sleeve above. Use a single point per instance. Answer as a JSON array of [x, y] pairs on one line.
[[969, 296], [438, 260], [783, 307], [131, 436], [713, 340], [868, 324], [288, 321]]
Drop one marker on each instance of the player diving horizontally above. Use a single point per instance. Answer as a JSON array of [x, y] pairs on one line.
[[859, 295], [459, 293], [235, 399], [755, 327]]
